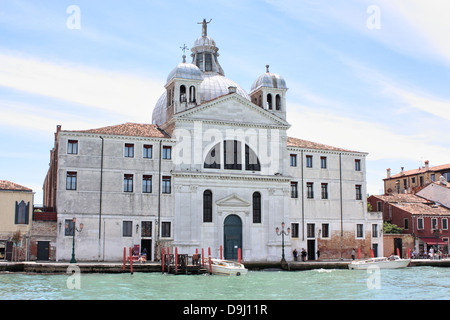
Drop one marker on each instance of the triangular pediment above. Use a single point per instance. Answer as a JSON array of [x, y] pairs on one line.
[[232, 108], [233, 201]]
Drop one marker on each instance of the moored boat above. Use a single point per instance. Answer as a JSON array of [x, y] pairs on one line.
[[228, 268], [392, 262]]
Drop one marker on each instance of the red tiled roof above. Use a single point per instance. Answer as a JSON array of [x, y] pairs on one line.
[[419, 170], [129, 129], [11, 186], [299, 143]]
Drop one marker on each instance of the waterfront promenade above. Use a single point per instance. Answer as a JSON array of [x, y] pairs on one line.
[[117, 267]]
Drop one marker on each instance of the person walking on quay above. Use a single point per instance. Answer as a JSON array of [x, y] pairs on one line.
[[318, 254], [295, 254], [303, 254], [353, 254]]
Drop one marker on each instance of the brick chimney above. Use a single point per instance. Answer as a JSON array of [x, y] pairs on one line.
[[427, 165], [388, 170]]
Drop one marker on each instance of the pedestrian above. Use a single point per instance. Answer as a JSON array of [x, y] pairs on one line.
[[295, 254], [303, 254], [318, 254], [353, 254]]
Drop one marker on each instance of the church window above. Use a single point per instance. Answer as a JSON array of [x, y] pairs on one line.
[[278, 102], [251, 160], [259, 101], [269, 101], [192, 94], [232, 155], [256, 207], [182, 93], [22, 212], [207, 206], [212, 160], [199, 61], [358, 191], [208, 62]]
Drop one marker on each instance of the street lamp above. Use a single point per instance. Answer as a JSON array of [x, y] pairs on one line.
[[75, 229], [282, 233]]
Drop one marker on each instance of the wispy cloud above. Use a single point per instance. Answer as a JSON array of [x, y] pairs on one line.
[[125, 95]]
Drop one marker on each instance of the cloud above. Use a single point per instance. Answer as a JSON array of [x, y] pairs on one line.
[[124, 95]]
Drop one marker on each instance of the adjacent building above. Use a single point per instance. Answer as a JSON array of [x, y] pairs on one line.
[[215, 168]]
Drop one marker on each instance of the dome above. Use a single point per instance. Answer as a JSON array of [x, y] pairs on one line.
[[205, 41], [159, 112], [270, 80], [215, 85], [185, 71]]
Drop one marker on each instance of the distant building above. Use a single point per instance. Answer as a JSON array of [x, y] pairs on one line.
[[411, 181], [16, 206], [214, 169]]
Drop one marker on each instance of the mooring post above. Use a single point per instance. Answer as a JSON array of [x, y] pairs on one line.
[[176, 260], [220, 252], [131, 261], [124, 258], [203, 258], [359, 253], [162, 260], [239, 255], [209, 255], [371, 253]]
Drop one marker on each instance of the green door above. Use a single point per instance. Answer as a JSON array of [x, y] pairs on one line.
[[232, 237]]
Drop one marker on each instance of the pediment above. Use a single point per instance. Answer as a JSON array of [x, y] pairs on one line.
[[232, 108], [233, 201]]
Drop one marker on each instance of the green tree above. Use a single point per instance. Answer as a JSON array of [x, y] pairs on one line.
[[391, 228]]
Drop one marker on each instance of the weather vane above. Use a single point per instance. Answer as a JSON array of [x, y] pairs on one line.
[[184, 48]]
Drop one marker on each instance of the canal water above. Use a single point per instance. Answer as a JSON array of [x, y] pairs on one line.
[[424, 283]]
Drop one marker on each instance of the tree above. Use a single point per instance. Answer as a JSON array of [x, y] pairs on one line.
[[391, 228]]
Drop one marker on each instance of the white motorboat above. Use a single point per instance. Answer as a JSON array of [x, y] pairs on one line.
[[228, 268], [392, 262]]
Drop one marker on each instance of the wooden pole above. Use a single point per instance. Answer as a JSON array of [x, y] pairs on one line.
[[220, 252], [239, 255], [131, 261], [409, 253], [203, 257], [162, 260], [209, 255], [176, 260], [359, 253], [124, 258]]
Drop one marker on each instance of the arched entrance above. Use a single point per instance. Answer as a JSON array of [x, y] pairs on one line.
[[232, 236]]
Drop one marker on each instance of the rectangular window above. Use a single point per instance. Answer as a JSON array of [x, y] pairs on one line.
[[71, 181], [357, 165], [146, 229], [309, 161], [166, 184], [127, 228], [374, 231], [324, 188], [128, 183], [325, 230], [69, 227], [358, 191], [147, 152], [310, 230], [294, 189], [379, 206], [433, 223], [129, 150], [360, 231], [310, 190], [22, 212], [406, 224], [420, 223], [72, 147], [293, 160], [444, 223], [294, 227], [165, 229], [167, 153], [323, 162], [146, 184]]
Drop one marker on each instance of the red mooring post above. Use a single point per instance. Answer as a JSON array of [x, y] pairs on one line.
[[209, 255], [398, 252], [220, 252], [239, 255], [131, 262], [162, 260], [203, 257], [124, 258], [409, 253], [176, 260], [371, 253], [359, 254]]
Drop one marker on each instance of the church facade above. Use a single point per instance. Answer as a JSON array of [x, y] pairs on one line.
[[215, 168]]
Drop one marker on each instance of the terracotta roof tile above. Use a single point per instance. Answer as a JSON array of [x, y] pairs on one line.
[[299, 143], [129, 129], [11, 186]]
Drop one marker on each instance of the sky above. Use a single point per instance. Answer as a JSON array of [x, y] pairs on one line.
[[371, 76]]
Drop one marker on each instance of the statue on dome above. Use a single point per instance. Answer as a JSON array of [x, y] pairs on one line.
[[204, 27]]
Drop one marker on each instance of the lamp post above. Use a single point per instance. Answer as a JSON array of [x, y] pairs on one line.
[[75, 229], [436, 231], [282, 233]]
